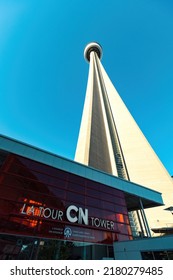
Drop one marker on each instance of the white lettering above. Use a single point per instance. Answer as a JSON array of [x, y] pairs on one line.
[[41, 209], [48, 213], [103, 223], [68, 214], [54, 214], [83, 216], [31, 210], [96, 222], [112, 225], [60, 215], [74, 214], [23, 208], [92, 221], [108, 224], [80, 215]]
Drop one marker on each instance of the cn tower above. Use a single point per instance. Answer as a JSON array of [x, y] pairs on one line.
[[110, 139]]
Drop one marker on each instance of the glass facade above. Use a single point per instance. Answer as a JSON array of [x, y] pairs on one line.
[[42, 207], [157, 255]]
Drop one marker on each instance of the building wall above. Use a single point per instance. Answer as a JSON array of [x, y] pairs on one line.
[[35, 200]]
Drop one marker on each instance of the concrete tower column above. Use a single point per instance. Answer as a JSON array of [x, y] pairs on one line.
[[110, 139]]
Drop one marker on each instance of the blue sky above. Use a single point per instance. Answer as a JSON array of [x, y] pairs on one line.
[[43, 74]]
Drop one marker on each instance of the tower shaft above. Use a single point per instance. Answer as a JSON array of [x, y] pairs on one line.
[[110, 140]]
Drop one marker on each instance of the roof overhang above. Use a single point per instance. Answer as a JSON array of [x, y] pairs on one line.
[[166, 230], [133, 202], [133, 192]]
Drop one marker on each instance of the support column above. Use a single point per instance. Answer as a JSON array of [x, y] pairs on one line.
[[144, 219]]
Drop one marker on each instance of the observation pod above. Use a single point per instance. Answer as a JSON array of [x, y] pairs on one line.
[[92, 47]]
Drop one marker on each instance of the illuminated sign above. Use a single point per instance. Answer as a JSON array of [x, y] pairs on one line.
[[73, 214]]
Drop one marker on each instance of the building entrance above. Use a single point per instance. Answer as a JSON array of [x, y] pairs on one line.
[[29, 248]]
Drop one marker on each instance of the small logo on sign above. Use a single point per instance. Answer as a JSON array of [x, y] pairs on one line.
[[67, 232]]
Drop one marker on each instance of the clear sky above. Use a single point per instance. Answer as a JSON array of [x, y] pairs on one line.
[[43, 74]]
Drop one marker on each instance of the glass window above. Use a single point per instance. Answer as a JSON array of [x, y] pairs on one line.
[[170, 255], [75, 197], [55, 181], [38, 185], [90, 201], [157, 255], [93, 193], [92, 184], [76, 187], [122, 237], [95, 212], [121, 209], [76, 179], [59, 193], [28, 248], [109, 206], [3, 156]]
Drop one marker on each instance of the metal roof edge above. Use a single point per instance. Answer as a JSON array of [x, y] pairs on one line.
[[51, 159]]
